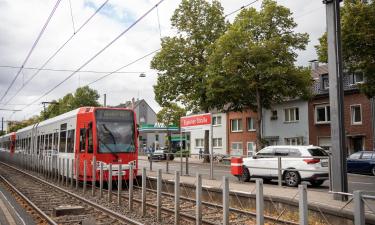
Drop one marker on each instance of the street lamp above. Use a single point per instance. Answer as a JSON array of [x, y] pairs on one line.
[[142, 75]]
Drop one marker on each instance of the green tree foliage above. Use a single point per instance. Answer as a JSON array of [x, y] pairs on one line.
[[16, 125], [170, 115], [358, 41], [252, 66], [183, 59], [83, 96]]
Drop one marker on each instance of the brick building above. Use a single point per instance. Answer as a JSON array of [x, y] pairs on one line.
[[358, 113], [241, 133]]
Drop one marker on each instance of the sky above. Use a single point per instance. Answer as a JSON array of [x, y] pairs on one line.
[[22, 21]]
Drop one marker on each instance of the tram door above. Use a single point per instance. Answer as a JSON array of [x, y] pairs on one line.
[[85, 147]]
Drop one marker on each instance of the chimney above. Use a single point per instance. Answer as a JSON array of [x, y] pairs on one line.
[[314, 64], [133, 103]]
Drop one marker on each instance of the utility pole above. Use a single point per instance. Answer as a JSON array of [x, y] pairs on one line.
[[338, 177], [2, 124], [105, 100]]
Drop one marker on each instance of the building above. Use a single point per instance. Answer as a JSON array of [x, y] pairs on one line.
[[358, 112], [286, 123], [219, 131], [241, 133]]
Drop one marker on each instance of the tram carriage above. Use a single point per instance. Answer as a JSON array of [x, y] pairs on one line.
[[108, 134]]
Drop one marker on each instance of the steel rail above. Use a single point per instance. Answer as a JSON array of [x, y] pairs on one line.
[[104, 209], [36, 208]]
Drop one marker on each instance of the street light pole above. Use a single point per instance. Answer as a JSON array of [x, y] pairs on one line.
[[336, 100]]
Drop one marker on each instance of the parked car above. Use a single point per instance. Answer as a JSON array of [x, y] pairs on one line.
[[362, 162], [161, 154], [291, 160]]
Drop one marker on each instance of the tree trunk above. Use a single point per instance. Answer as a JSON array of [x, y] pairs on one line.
[[259, 144], [206, 152]]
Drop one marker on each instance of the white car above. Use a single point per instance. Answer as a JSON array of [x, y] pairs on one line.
[[291, 164]]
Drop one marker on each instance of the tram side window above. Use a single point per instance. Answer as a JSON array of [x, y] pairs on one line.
[[82, 140], [37, 144], [70, 141], [62, 147], [55, 140], [90, 146], [49, 142]]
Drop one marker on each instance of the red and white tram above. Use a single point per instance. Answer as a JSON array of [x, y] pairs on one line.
[[108, 134]]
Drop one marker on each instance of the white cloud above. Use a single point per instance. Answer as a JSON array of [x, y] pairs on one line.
[[22, 21]]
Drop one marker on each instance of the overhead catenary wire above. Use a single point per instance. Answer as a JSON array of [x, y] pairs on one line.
[[32, 48], [242, 7], [95, 55], [58, 50]]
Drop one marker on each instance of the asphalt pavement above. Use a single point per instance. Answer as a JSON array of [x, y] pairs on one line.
[[355, 181]]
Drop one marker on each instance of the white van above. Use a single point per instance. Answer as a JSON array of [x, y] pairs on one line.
[[291, 164]]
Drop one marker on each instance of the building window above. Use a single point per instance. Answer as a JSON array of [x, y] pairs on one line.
[[236, 125], [274, 115], [250, 148], [356, 114], [250, 124], [199, 143], [322, 114], [156, 137], [217, 142], [70, 141], [291, 115], [356, 78], [236, 148], [294, 141], [216, 120], [325, 82]]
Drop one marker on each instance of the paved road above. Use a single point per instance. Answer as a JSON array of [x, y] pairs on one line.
[[355, 182]]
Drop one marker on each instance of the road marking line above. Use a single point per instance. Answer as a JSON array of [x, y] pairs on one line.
[[7, 214]]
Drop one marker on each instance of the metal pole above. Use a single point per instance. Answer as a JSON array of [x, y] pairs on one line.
[[63, 172], [84, 175], [187, 165], [158, 195], [150, 161], [67, 173], [279, 172], [93, 180], [259, 202], [336, 99], [110, 183], [303, 210], [72, 174], [198, 199], [177, 198], [359, 209], [225, 201], [144, 192], [181, 169], [77, 172], [59, 170], [131, 179], [212, 154], [119, 184], [105, 100], [167, 166], [101, 181]]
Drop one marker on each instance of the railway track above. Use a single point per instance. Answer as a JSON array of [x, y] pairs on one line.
[[46, 196]]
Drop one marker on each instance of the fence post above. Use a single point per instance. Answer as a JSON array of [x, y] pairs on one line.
[[279, 172], [63, 172], [150, 161], [131, 179], [144, 191], [359, 208], [119, 184], [225, 201], [167, 166], [187, 165], [110, 183], [198, 197], [93, 180], [158, 195], [303, 209], [101, 180], [177, 198], [84, 175], [59, 170], [77, 172], [259, 202], [67, 173]]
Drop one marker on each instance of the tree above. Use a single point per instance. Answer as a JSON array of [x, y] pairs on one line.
[[183, 59], [252, 65], [358, 41], [170, 115]]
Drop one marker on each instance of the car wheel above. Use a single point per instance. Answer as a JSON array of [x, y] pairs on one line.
[[292, 178], [245, 177], [316, 183], [171, 157], [373, 170]]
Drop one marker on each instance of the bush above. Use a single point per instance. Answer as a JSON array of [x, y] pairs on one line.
[[185, 153]]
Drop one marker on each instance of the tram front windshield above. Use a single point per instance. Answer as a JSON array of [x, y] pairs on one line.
[[115, 130]]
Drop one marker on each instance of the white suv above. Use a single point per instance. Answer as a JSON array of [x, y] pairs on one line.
[[291, 164]]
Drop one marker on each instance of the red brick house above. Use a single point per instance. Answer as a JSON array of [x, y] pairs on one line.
[[241, 133], [358, 113]]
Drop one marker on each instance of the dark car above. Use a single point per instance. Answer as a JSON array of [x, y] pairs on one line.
[[161, 154], [362, 162]]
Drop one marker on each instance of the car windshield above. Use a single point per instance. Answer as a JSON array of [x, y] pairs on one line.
[[317, 152], [115, 130]]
